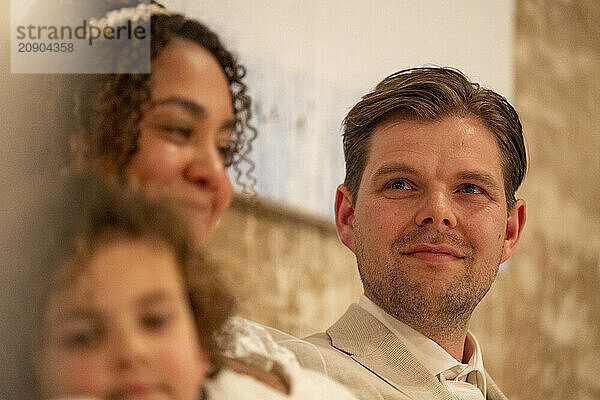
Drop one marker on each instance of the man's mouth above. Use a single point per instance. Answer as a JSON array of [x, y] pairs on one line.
[[434, 253]]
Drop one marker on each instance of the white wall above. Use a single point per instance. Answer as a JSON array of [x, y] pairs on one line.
[[309, 61]]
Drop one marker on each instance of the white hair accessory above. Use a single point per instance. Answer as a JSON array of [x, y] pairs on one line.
[[133, 14]]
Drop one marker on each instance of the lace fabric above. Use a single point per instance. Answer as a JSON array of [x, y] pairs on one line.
[[252, 344]]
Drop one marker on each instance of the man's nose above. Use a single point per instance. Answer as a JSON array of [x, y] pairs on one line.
[[436, 210]]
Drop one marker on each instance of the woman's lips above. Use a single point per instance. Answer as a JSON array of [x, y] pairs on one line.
[[196, 207]]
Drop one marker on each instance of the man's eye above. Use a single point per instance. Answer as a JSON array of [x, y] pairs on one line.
[[398, 184], [471, 189]]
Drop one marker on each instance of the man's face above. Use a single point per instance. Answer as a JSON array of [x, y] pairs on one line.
[[430, 225]]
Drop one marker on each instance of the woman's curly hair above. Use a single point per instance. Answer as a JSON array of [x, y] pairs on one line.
[[108, 108]]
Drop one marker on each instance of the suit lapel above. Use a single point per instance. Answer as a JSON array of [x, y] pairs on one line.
[[375, 347], [493, 391]]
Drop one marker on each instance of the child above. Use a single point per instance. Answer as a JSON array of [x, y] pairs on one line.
[[123, 307]]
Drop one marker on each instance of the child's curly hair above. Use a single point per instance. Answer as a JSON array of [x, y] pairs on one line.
[[82, 213]]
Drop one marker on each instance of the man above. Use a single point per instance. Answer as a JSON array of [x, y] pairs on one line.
[[428, 207]]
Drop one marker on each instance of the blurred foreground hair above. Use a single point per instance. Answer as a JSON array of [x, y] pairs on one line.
[[79, 214]]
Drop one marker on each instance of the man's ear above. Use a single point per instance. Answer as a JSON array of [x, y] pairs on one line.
[[344, 216], [514, 227]]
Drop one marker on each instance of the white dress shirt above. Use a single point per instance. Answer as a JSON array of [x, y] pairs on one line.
[[459, 378]]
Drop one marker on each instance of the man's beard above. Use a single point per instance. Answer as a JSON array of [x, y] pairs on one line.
[[448, 306]]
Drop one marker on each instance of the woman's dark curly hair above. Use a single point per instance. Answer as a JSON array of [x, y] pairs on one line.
[[108, 108]]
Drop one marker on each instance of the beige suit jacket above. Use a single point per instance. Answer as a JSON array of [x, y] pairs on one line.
[[363, 354]]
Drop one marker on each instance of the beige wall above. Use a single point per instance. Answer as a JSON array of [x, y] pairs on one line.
[[539, 324], [309, 61], [287, 269]]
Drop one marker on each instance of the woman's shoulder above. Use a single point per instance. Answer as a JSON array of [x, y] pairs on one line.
[[257, 358], [236, 381], [253, 343], [230, 384], [304, 383]]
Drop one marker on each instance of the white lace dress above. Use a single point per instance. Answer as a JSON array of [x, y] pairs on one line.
[[303, 383], [253, 344]]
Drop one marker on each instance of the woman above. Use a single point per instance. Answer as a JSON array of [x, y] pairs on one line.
[[172, 135]]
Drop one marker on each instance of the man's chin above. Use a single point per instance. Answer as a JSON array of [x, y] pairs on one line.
[[421, 295]]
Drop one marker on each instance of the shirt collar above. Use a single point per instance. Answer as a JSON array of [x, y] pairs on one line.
[[428, 352]]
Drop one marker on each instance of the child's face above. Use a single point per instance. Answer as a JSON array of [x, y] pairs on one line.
[[123, 329]]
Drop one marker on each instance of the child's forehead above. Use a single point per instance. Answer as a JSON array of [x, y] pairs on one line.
[[85, 252], [118, 270]]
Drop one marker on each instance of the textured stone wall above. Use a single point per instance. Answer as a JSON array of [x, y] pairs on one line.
[[539, 325], [287, 268]]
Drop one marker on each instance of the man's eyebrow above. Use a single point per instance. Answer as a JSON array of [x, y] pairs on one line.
[[189, 105], [394, 168], [480, 176]]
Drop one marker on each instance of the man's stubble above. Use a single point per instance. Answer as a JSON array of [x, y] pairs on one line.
[[429, 306]]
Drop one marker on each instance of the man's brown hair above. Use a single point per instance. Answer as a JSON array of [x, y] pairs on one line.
[[429, 94]]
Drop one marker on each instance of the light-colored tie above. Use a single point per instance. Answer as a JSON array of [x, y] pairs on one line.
[[459, 383]]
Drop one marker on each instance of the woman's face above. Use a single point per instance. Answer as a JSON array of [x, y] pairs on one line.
[[185, 136]]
